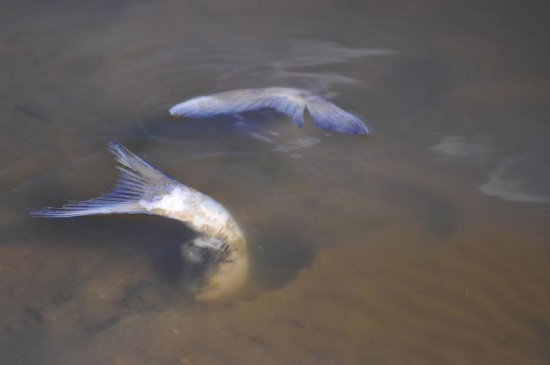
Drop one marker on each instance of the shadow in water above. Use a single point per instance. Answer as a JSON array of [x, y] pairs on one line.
[[279, 257], [156, 239]]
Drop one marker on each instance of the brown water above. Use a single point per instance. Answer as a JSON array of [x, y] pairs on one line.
[[427, 243]]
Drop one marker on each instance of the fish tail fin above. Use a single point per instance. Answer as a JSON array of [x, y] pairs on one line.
[[137, 180], [233, 102], [291, 102], [330, 117], [291, 106]]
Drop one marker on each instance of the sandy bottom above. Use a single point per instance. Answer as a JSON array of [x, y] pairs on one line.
[[425, 243], [409, 292]]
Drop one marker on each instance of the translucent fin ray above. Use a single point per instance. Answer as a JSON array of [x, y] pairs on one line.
[[137, 180], [330, 117]]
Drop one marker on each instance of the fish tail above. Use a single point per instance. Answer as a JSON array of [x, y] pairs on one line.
[[233, 102], [330, 117], [291, 106], [291, 102], [137, 180]]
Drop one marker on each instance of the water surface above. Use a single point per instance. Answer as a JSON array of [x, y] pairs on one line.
[[426, 243]]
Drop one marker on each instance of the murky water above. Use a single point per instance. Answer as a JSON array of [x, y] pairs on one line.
[[427, 243]]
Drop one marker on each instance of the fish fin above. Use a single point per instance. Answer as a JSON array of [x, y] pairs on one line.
[[137, 180], [286, 101], [206, 106], [291, 102], [291, 107], [138, 172], [330, 117]]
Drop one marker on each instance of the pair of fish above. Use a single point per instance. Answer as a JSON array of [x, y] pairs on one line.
[[219, 254]]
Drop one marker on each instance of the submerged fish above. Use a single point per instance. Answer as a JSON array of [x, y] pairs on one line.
[[291, 102], [218, 256]]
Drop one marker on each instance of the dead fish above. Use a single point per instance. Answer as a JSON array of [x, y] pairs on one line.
[[220, 251], [291, 102]]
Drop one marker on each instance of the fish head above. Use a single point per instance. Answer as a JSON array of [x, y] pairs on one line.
[[213, 268], [207, 251]]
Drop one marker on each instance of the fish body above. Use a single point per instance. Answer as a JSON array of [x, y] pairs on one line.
[[143, 189], [288, 101]]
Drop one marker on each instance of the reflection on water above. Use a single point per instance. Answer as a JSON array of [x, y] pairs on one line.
[[519, 179], [476, 150], [516, 178], [421, 244]]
